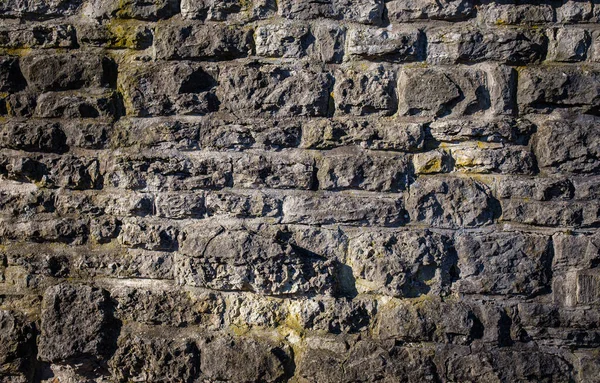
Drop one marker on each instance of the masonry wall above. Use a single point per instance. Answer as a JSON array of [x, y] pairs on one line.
[[299, 191]]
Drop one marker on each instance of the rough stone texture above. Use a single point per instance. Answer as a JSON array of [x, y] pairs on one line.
[[299, 191]]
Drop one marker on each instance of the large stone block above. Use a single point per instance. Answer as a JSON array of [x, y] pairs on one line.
[[450, 202], [503, 263], [17, 338], [397, 45], [33, 136], [77, 322], [402, 263], [268, 90], [38, 36], [39, 9], [470, 45], [221, 10], [264, 263], [11, 78], [164, 173], [557, 87], [442, 92], [52, 72], [361, 93], [202, 42], [569, 145], [344, 208], [514, 13], [415, 10], [360, 11], [346, 168], [148, 357], [378, 135], [229, 359], [169, 88], [279, 171]]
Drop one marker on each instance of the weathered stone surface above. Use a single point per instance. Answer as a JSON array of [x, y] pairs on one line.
[[467, 45], [202, 42], [165, 173], [510, 160], [402, 45], [450, 202], [351, 169], [503, 263], [126, 34], [274, 171], [360, 11], [569, 45], [569, 145], [18, 342], [11, 78], [509, 365], [169, 88], [39, 9], [243, 360], [67, 71], [378, 135], [401, 264], [219, 10], [96, 103], [76, 322], [38, 36], [413, 10], [331, 208], [430, 320], [544, 90], [361, 94], [148, 357], [240, 259], [497, 130], [283, 40], [35, 137], [299, 191], [274, 91], [511, 13], [436, 92]]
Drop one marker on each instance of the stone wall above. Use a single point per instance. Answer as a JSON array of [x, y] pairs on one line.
[[299, 191]]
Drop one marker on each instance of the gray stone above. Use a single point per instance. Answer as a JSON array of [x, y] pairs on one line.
[[401, 45], [264, 263], [401, 264], [336, 208], [76, 323], [356, 169], [568, 45], [147, 357], [413, 10], [550, 88], [360, 94], [202, 42], [360, 11], [469, 45], [221, 10], [228, 359], [38, 36], [169, 88], [569, 145], [450, 202], [67, 71], [18, 343], [274, 91], [503, 263]]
